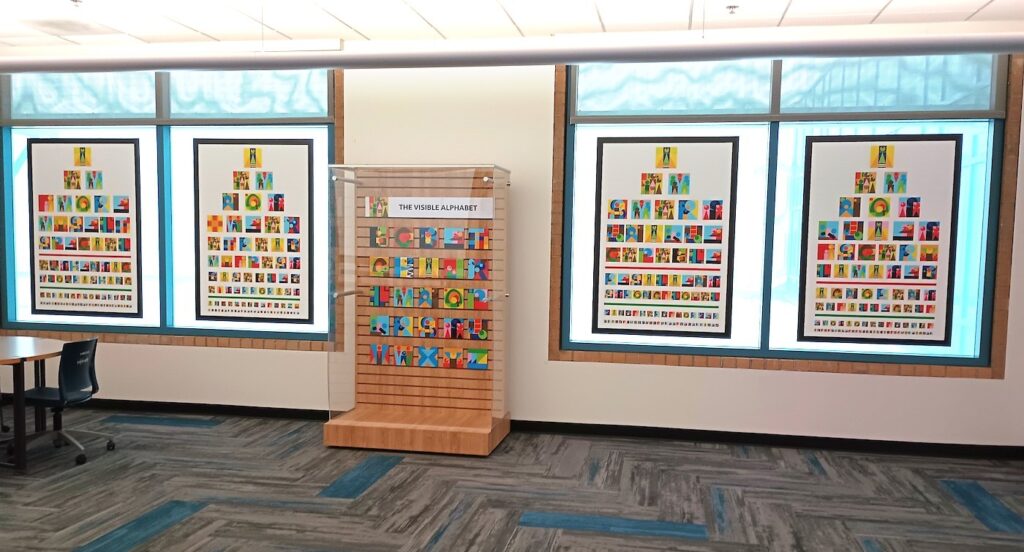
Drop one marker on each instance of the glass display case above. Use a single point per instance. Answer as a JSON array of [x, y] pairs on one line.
[[420, 308]]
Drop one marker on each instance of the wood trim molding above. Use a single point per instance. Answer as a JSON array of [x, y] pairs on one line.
[[1007, 210], [338, 119], [555, 351], [1004, 249]]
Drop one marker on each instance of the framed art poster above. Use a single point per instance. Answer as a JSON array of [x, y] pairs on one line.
[[254, 219], [664, 235], [879, 230], [83, 200]]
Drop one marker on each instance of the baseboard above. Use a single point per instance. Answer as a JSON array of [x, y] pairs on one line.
[[697, 435], [782, 441], [215, 409]]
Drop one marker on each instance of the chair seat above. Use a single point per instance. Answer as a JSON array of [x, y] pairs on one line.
[[49, 397]]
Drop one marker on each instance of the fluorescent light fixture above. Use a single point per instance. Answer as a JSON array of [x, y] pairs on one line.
[[862, 40]]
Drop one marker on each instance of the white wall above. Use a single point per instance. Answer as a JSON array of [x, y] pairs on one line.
[[504, 116], [205, 375]]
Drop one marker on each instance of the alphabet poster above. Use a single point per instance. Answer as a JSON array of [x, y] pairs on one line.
[[663, 252], [254, 219], [83, 197], [879, 231], [446, 257]]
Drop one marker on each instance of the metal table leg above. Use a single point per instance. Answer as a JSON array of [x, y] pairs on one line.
[[40, 381]]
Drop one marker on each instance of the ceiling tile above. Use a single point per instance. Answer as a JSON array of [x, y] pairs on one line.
[[380, 19], [645, 15], [1001, 10], [298, 19], [547, 17], [41, 40], [216, 19], [150, 28], [928, 11], [10, 27], [715, 14], [832, 12], [466, 18], [118, 39]]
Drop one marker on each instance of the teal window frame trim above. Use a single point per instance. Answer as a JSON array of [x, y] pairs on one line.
[[996, 116], [163, 126]]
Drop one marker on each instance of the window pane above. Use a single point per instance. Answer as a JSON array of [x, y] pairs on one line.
[[749, 214], [82, 95], [709, 87], [148, 218], [972, 224], [297, 93], [183, 230], [913, 83]]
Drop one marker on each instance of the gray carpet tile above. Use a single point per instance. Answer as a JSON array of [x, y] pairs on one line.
[[226, 483]]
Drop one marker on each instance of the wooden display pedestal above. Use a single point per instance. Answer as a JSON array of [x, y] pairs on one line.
[[417, 429], [425, 247]]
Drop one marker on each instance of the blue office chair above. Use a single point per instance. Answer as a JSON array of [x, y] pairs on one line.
[[3, 426], [76, 385]]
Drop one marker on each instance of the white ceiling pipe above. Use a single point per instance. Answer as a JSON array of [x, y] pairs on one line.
[[859, 40]]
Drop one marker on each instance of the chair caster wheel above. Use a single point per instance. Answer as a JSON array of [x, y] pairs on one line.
[[111, 445], [5, 428], [80, 459], [57, 443]]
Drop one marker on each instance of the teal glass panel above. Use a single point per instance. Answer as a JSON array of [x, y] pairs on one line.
[[972, 233], [249, 94], [83, 95], [697, 88], [912, 83]]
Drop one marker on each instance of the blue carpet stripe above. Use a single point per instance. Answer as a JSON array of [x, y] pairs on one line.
[[457, 513], [168, 421], [815, 464], [355, 481], [989, 510], [144, 527], [718, 506], [870, 545], [613, 525]]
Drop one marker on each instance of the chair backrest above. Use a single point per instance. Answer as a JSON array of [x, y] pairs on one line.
[[78, 368]]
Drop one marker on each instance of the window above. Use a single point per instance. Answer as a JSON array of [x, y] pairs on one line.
[[183, 242], [972, 229], [165, 270], [83, 95], [713, 87], [916, 83], [148, 217], [750, 216], [685, 99], [249, 94]]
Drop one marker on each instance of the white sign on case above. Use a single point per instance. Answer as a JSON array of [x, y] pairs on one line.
[[879, 229], [435, 207], [85, 226], [665, 233], [254, 230]]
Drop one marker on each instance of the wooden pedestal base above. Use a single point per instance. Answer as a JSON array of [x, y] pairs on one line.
[[417, 429]]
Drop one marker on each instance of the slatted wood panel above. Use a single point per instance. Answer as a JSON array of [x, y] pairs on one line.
[[449, 397], [1004, 258]]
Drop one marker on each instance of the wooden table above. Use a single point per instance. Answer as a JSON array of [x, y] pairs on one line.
[[15, 352]]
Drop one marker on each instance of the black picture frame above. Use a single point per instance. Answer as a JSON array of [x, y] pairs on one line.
[[599, 222], [308, 247], [86, 142], [957, 139]]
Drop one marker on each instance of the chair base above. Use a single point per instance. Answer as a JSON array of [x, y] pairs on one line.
[[64, 437]]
